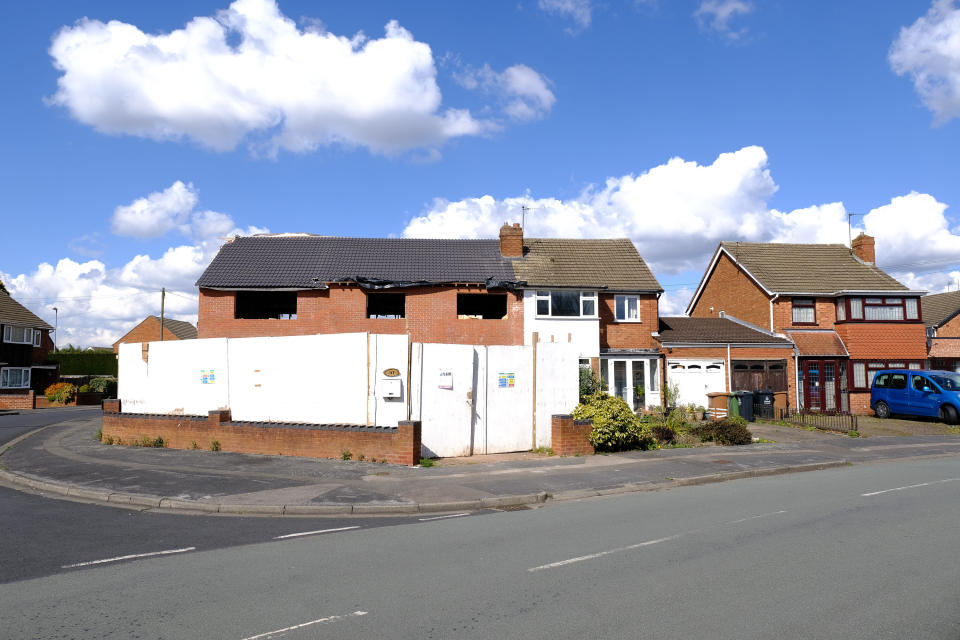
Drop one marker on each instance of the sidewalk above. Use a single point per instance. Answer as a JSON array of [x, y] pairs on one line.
[[66, 459]]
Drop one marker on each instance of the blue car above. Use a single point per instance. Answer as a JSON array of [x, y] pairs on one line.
[[915, 392]]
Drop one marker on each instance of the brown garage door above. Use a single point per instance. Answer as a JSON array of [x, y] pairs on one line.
[[755, 375]]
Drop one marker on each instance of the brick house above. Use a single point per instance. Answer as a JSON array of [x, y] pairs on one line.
[[941, 315], [846, 317], [705, 355], [597, 294], [148, 330], [25, 344]]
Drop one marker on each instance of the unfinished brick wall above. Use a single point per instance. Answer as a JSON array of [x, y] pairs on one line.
[[400, 445], [730, 289], [628, 335], [431, 316], [569, 437]]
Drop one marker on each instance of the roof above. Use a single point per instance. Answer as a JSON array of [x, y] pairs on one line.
[[12, 312], [303, 261], [612, 263], [818, 343], [944, 348], [714, 331], [183, 330], [939, 308], [809, 268]]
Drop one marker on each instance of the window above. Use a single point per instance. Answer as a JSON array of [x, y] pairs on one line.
[[911, 307], [265, 305], [21, 335], [915, 365], [654, 370], [15, 377], [920, 383], [841, 310], [865, 370], [484, 306], [804, 311], [877, 309], [883, 309], [386, 305], [567, 304], [856, 309], [627, 308], [859, 375]]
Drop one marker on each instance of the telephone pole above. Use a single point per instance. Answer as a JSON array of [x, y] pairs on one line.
[[163, 297]]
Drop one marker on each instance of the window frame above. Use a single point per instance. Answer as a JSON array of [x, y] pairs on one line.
[[860, 303], [546, 296], [29, 333], [370, 296], [626, 297], [874, 366], [803, 303], [5, 377]]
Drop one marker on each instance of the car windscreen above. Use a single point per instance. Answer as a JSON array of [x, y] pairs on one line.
[[947, 381]]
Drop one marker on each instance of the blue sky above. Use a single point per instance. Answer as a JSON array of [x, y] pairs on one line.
[[133, 147]]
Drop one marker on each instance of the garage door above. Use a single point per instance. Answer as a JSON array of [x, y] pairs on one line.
[[696, 378]]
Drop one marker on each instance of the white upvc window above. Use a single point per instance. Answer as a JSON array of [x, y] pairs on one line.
[[627, 308], [567, 304], [15, 377], [21, 335]]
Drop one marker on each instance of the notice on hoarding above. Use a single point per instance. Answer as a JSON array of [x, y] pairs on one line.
[[207, 376], [506, 381], [446, 380]]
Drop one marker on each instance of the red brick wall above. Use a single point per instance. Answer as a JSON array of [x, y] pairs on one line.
[[877, 341], [18, 400], [628, 335], [950, 329], [431, 316], [826, 314], [401, 446], [146, 331], [731, 290], [568, 437]]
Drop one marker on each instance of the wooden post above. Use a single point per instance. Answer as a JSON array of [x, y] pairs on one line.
[[533, 412]]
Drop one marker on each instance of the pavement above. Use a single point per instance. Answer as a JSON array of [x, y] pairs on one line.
[[65, 459]]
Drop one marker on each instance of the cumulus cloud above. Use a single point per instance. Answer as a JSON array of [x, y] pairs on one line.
[[580, 11], [677, 212], [250, 74], [928, 51], [524, 93], [716, 15], [97, 303]]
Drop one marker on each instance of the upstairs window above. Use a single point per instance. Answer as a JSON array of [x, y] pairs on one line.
[[484, 306], [567, 304], [21, 335], [883, 309], [627, 308], [266, 305], [804, 311], [15, 377], [878, 309], [841, 310], [386, 306], [856, 309]]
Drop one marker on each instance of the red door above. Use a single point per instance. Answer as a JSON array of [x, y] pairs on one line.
[[822, 382]]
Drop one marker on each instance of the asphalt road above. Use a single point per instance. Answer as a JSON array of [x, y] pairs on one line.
[[859, 552]]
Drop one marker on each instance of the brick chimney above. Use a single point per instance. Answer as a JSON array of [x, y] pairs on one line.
[[863, 248], [511, 241]]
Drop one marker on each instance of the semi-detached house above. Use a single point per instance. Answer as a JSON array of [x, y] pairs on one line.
[[941, 315], [846, 317], [25, 344], [597, 294]]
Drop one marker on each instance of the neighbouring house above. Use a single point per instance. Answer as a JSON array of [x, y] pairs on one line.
[[705, 355], [25, 345], [149, 330], [598, 295], [846, 316], [941, 315]]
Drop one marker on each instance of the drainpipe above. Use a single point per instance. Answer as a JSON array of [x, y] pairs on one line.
[[729, 375], [775, 296], [796, 375]]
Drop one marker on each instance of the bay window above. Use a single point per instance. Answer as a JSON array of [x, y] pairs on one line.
[[567, 304], [15, 377], [878, 309], [865, 370]]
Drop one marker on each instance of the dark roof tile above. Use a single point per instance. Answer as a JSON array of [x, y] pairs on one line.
[[712, 330]]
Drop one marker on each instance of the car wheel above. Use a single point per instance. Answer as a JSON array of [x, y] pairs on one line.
[[948, 415], [882, 409]]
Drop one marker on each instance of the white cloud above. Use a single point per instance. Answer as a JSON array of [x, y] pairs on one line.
[[250, 74], [580, 11], [524, 93], [715, 15], [929, 52], [676, 214], [155, 214]]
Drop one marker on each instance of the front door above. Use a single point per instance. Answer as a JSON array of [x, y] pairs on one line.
[[822, 385]]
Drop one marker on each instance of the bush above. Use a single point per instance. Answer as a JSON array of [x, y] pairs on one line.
[[106, 386], [615, 426], [60, 392], [84, 388], [589, 383], [663, 433], [730, 431]]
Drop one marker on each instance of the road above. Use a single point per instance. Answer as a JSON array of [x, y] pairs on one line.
[[859, 552]]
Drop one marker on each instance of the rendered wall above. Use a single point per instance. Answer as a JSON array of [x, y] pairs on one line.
[[583, 333]]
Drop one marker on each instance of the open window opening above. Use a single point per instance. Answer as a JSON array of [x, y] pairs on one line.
[[484, 306], [386, 305], [266, 305]]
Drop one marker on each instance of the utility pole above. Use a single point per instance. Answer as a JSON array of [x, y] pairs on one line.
[[163, 297]]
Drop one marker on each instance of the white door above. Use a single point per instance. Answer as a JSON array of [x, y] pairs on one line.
[[696, 378]]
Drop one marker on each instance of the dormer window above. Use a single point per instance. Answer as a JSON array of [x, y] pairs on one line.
[[804, 311]]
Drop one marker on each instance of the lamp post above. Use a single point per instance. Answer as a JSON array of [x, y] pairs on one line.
[[56, 322]]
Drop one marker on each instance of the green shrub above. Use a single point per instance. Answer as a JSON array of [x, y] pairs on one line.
[[730, 431], [615, 426], [663, 433], [106, 386], [60, 392], [589, 383], [346, 455], [84, 388], [215, 445]]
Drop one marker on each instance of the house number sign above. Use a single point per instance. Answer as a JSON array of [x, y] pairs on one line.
[[391, 373]]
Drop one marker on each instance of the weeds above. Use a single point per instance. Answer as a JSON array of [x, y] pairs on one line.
[[544, 451], [215, 445], [426, 462], [853, 433], [193, 445], [346, 455], [100, 434], [108, 440]]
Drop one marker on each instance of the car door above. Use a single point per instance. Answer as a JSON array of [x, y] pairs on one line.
[[923, 396], [897, 393]]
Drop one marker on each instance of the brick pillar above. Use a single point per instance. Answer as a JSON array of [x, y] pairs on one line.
[[219, 416], [569, 437], [409, 441], [111, 406]]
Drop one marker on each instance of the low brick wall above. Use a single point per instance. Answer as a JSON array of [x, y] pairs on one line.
[[399, 445], [27, 400], [568, 437]]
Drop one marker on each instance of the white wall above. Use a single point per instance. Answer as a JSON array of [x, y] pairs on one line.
[[583, 333], [509, 410], [558, 386], [447, 415]]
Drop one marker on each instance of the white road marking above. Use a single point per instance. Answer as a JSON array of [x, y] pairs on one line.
[[909, 486], [130, 557], [592, 556], [271, 634], [313, 533], [455, 515]]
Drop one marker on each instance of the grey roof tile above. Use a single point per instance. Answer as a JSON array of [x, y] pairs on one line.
[[712, 330], [12, 312], [938, 308]]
